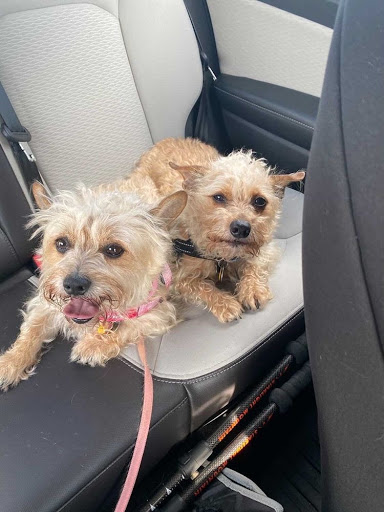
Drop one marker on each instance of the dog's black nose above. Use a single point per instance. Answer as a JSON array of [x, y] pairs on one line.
[[75, 284], [240, 228]]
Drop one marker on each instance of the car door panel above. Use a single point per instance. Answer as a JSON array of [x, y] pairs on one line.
[[276, 121], [272, 64], [258, 41]]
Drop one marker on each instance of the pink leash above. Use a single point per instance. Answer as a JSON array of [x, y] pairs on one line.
[[142, 435], [146, 413]]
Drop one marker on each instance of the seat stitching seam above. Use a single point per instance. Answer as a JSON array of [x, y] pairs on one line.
[[166, 416], [206, 377], [210, 376], [266, 109]]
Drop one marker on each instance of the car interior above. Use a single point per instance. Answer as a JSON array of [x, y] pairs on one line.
[[98, 82]]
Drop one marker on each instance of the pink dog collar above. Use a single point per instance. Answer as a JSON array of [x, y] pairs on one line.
[[165, 278], [37, 259]]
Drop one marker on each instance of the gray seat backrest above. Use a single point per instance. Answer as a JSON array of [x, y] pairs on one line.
[[97, 82]]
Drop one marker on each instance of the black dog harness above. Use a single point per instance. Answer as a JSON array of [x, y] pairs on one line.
[[186, 247]]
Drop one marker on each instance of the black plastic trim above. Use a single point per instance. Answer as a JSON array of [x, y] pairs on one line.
[[208, 389], [15, 246], [284, 112], [199, 12], [276, 150]]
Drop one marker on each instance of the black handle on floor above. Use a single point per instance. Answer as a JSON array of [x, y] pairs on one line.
[[283, 397], [280, 400], [296, 353]]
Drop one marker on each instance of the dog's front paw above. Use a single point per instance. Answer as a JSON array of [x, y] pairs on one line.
[[13, 370], [252, 295], [95, 350], [227, 310]]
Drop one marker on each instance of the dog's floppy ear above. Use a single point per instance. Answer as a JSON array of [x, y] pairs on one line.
[[189, 172], [171, 207], [280, 181], [41, 195]]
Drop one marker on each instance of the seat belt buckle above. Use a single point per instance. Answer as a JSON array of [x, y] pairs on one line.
[[26, 149], [205, 61], [212, 73]]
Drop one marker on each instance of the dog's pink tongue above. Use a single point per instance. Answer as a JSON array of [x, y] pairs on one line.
[[81, 309]]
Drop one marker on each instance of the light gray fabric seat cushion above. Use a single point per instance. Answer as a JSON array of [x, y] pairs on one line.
[[201, 345]]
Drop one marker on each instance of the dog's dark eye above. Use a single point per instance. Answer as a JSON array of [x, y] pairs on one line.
[[113, 250], [62, 244], [219, 198], [259, 202]]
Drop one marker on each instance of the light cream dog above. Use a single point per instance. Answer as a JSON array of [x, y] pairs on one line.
[[103, 252]]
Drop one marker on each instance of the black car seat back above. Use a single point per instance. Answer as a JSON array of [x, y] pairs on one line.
[[344, 261]]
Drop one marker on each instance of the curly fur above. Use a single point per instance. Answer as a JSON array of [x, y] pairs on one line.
[[198, 168], [92, 219]]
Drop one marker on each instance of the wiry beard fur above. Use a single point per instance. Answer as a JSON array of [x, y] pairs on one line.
[[90, 221]]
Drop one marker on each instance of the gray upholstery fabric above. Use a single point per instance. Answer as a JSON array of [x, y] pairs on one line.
[[343, 261], [165, 63], [77, 96], [13, 6]]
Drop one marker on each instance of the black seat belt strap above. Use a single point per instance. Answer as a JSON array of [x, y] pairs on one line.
[[18, 137], [208, 124], [201, 22]]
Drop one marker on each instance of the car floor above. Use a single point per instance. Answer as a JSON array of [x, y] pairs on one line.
[[285, 460]]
